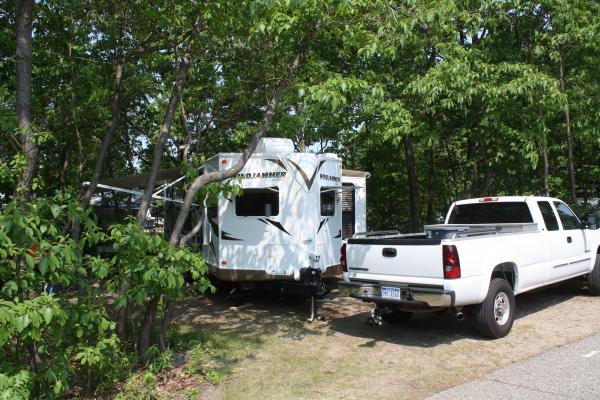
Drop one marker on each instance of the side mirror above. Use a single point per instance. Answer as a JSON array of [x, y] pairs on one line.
[[590, 222]]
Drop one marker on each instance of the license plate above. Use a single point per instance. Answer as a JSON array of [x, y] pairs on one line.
[[390, 293]]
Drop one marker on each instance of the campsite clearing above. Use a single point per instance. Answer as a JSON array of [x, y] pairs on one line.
[[280, 355]]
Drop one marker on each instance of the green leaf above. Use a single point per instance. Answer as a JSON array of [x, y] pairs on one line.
[[29, 260], [171, 281], [43, 265], [55, 209], [48, 313], [53, 262], [22, 322]]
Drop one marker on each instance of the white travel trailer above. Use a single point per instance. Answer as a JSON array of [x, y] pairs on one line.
[[289, 222]]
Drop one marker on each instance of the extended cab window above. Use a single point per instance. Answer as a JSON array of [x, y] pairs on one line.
[[567, 217], [548, 214], [262, 202], [505, 212]]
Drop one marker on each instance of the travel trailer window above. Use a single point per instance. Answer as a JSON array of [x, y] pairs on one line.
[[348, 211], [262, 202], [327, 202]]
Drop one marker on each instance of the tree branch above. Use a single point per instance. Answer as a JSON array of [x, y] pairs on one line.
[[218, 176]]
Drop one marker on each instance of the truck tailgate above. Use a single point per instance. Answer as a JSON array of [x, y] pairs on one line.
[[395, 257]]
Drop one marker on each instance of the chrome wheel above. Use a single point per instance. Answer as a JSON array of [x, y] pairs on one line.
[[501, 308]]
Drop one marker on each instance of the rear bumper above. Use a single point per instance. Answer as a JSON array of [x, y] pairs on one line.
[[255, 275], [411, 297]]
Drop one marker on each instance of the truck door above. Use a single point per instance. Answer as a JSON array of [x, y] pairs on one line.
[[567, 250]]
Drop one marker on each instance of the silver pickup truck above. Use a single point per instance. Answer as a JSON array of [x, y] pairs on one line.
[[489, 250]]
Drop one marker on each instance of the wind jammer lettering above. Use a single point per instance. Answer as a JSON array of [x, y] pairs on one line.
[[263, 175], [330, 178]]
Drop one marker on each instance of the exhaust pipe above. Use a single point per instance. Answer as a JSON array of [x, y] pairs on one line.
[[460, 316]]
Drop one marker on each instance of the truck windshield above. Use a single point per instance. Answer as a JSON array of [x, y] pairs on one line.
[[491, 213]]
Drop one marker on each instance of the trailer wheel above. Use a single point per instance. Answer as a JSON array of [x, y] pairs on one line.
[[397, 317], [594, 278], [494, 317]]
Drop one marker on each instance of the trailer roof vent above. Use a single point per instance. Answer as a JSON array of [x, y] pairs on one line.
[[275, 145]]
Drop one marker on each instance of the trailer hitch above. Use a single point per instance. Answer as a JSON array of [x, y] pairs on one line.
[[376, 316]]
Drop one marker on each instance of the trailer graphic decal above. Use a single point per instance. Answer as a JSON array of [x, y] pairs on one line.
[[278, 162], [262, 175], [309, 182], [214, 226], [323, 222], [275, 224], [214, 251], [227, 236], [339, 235]]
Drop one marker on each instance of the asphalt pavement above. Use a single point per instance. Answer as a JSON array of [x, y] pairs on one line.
[[568, 372]]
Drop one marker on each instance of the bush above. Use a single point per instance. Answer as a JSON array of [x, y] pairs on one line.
[[15, 385], [56, 332], [139, 387]]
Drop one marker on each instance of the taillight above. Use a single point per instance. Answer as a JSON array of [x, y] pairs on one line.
[[451, 262], [343, 258]]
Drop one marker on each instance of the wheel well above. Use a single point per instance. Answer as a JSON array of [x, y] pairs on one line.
[[507, 271]]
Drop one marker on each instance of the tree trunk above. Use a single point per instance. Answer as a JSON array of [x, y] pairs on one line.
[[544, 134], [412, 183], [218, 176], [163, 135], [546, 171], [146, 329], [33, 357], [430, 185], [570, 165], [165, 129], [80, 155], [63, 168], [185, 149], [544, 145], [115, 113], [24, 21], [194, 230], [165, 323], [123, 312]]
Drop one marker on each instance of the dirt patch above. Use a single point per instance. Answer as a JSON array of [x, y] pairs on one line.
[[341, 357]]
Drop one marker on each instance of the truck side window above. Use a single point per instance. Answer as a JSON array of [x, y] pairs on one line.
[[327, 203], [548, 214], [567, 217], [258, 202]]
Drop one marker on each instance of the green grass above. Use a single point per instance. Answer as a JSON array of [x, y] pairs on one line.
[[213, 353]]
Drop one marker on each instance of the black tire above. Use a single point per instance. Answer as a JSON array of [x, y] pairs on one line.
[[485, 316], [594, 278], [397, 317]]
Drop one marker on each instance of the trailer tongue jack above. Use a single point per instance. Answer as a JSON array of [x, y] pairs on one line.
[[311, 278]]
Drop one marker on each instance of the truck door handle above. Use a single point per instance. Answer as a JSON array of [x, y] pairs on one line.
[[569, 240], [389, 252]]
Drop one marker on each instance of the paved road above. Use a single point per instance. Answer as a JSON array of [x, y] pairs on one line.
[[569, 372]]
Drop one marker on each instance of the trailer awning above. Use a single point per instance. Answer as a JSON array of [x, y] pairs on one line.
[[357, 174], [129, 184], [340, 188], [141, 180]]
